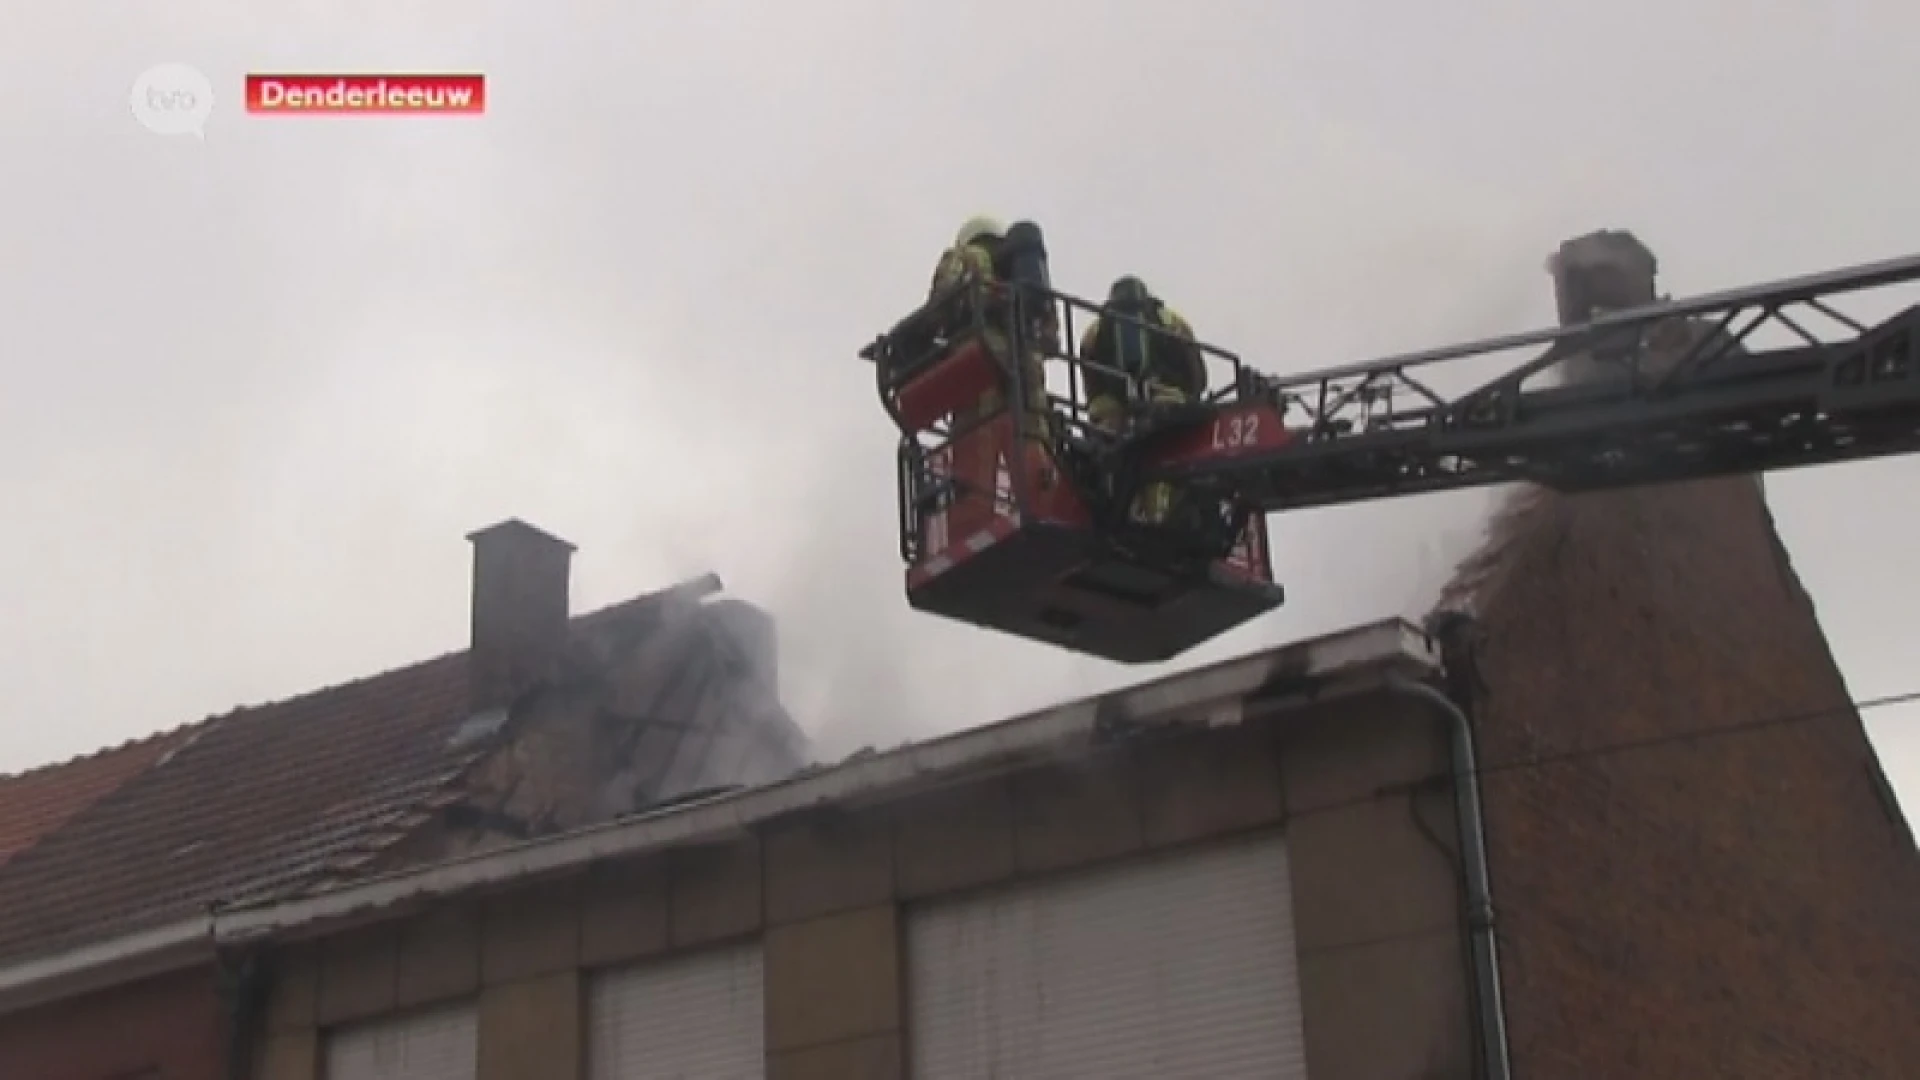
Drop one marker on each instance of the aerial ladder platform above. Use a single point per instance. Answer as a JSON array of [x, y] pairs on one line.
[[1016, 510]]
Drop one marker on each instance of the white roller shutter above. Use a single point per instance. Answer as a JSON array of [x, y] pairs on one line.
[[437, 1045], [696, 1015], [1176, 966]]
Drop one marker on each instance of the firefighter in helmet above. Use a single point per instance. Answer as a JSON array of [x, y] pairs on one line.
[[1148, 355], [993, 256], [971, 255]]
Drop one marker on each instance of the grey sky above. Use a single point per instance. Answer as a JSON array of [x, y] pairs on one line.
[[258, 388]]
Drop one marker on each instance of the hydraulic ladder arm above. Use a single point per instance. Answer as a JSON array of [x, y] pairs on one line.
[[1668, 391]]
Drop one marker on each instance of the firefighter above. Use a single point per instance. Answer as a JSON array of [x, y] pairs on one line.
[[1153, 359], [983, 251], [972, 255], [999, 260]]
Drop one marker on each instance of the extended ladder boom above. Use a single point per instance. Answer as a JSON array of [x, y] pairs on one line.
[[1027, 510], [1659, 393]]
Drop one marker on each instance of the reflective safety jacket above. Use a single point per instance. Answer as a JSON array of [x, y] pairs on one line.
[[957, 263], [1170, 357]]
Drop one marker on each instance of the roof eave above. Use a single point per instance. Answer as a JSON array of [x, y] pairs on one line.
[[105, 963]]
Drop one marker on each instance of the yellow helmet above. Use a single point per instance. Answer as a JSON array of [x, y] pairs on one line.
[[977, 228]]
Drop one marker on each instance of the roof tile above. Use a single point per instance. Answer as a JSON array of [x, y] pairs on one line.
[[262, 799], [38, 801]]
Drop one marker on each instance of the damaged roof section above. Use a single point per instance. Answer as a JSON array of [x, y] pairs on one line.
[[1366, 659], [549, 723]]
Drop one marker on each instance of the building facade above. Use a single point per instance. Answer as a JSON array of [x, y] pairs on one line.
[[1257, 869], [1246, 871], [164, 1027], [1568, 829]]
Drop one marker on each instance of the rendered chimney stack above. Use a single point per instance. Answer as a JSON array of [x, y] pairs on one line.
[[520, 610]]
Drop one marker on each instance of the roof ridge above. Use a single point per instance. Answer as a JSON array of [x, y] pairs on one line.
[[333, 688], [707, 582], [177, 731], [585, 619]]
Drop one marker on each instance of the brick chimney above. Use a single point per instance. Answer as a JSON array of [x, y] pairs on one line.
[[520, 609]]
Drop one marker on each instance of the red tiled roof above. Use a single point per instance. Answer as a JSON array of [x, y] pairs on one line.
[[36, 802], [259, 800]]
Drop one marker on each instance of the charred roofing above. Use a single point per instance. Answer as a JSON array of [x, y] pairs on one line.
[[1363, 659]]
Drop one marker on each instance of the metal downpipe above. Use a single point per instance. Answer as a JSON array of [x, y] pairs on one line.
[[1469, 820], [241, 984]]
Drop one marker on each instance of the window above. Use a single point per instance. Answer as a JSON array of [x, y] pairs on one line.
[[441, 1044]]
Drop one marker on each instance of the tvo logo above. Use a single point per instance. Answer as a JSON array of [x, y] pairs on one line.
[[172, 99]]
